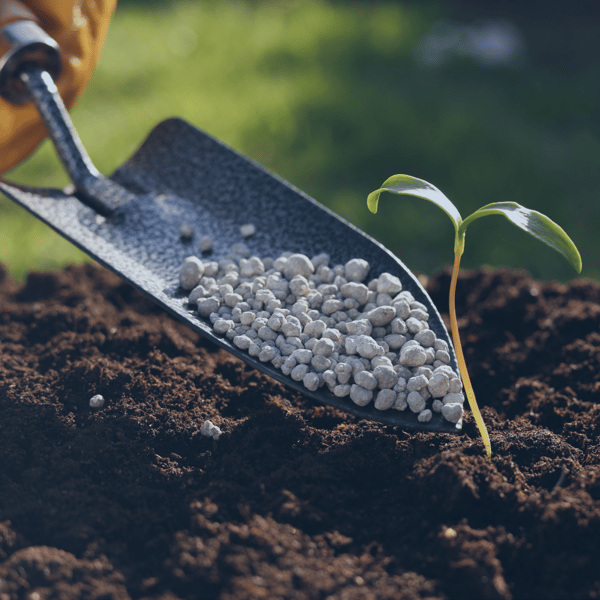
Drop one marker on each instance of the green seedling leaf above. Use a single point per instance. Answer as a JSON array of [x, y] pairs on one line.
[[411, 186], [531, 221], [534, 223]]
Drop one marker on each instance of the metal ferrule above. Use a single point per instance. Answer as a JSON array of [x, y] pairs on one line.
[[23, 43]]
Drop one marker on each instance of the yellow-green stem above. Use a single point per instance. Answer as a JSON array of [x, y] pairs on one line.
[[462, 365]]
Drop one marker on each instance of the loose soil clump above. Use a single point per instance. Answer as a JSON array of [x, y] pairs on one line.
[[294, 500]]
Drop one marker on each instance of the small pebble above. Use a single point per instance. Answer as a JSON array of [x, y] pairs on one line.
[[311, 381], [360, 395], [366, 379], [97, 401], [381, 315], [356, 269], [206, 244], [412, 356], [452, 412], [415, 401], [242, 342], [359, 327], [247, 230], [209, 429], [414, 325], [453, 398], [367, 347], [385, 399], [186, 232], [298, 264], [190, 273], [425, 337], [324, 346], [416, 383], [442, 356], [438, 385], [455, 385], [299, 372], [388, 284], [401, 403], [342, 390], [425, 416], [386, 376]]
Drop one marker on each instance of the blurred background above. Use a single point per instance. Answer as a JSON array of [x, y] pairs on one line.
[[489, 101]]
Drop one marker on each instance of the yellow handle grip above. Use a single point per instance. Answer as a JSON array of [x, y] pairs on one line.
[[79, 27]]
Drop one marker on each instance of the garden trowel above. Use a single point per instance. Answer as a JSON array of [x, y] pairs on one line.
[[131, 222]]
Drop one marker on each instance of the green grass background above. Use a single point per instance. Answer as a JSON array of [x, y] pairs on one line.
[[329, 96]]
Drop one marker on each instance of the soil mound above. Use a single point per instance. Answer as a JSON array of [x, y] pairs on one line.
[[293, 500]]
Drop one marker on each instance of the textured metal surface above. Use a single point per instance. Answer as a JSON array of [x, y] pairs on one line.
[[182, 176], [95, 190]]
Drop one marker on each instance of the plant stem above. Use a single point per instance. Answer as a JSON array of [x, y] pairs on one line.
[[462, 365]]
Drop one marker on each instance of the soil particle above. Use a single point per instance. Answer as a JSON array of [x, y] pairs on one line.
[[294, 500]]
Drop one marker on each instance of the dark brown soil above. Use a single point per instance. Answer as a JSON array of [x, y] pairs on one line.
[[294, 500]]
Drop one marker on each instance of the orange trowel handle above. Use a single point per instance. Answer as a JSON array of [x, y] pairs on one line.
[[79, 27]]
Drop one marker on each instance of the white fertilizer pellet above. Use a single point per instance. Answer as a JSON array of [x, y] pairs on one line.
[[206, 244], [425, 415], [327, 326], [247, 230], [209, 429], [190, 273], [186, 232], [97, 401]]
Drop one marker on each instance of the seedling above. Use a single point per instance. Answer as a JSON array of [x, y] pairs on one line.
[[531, 221]]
